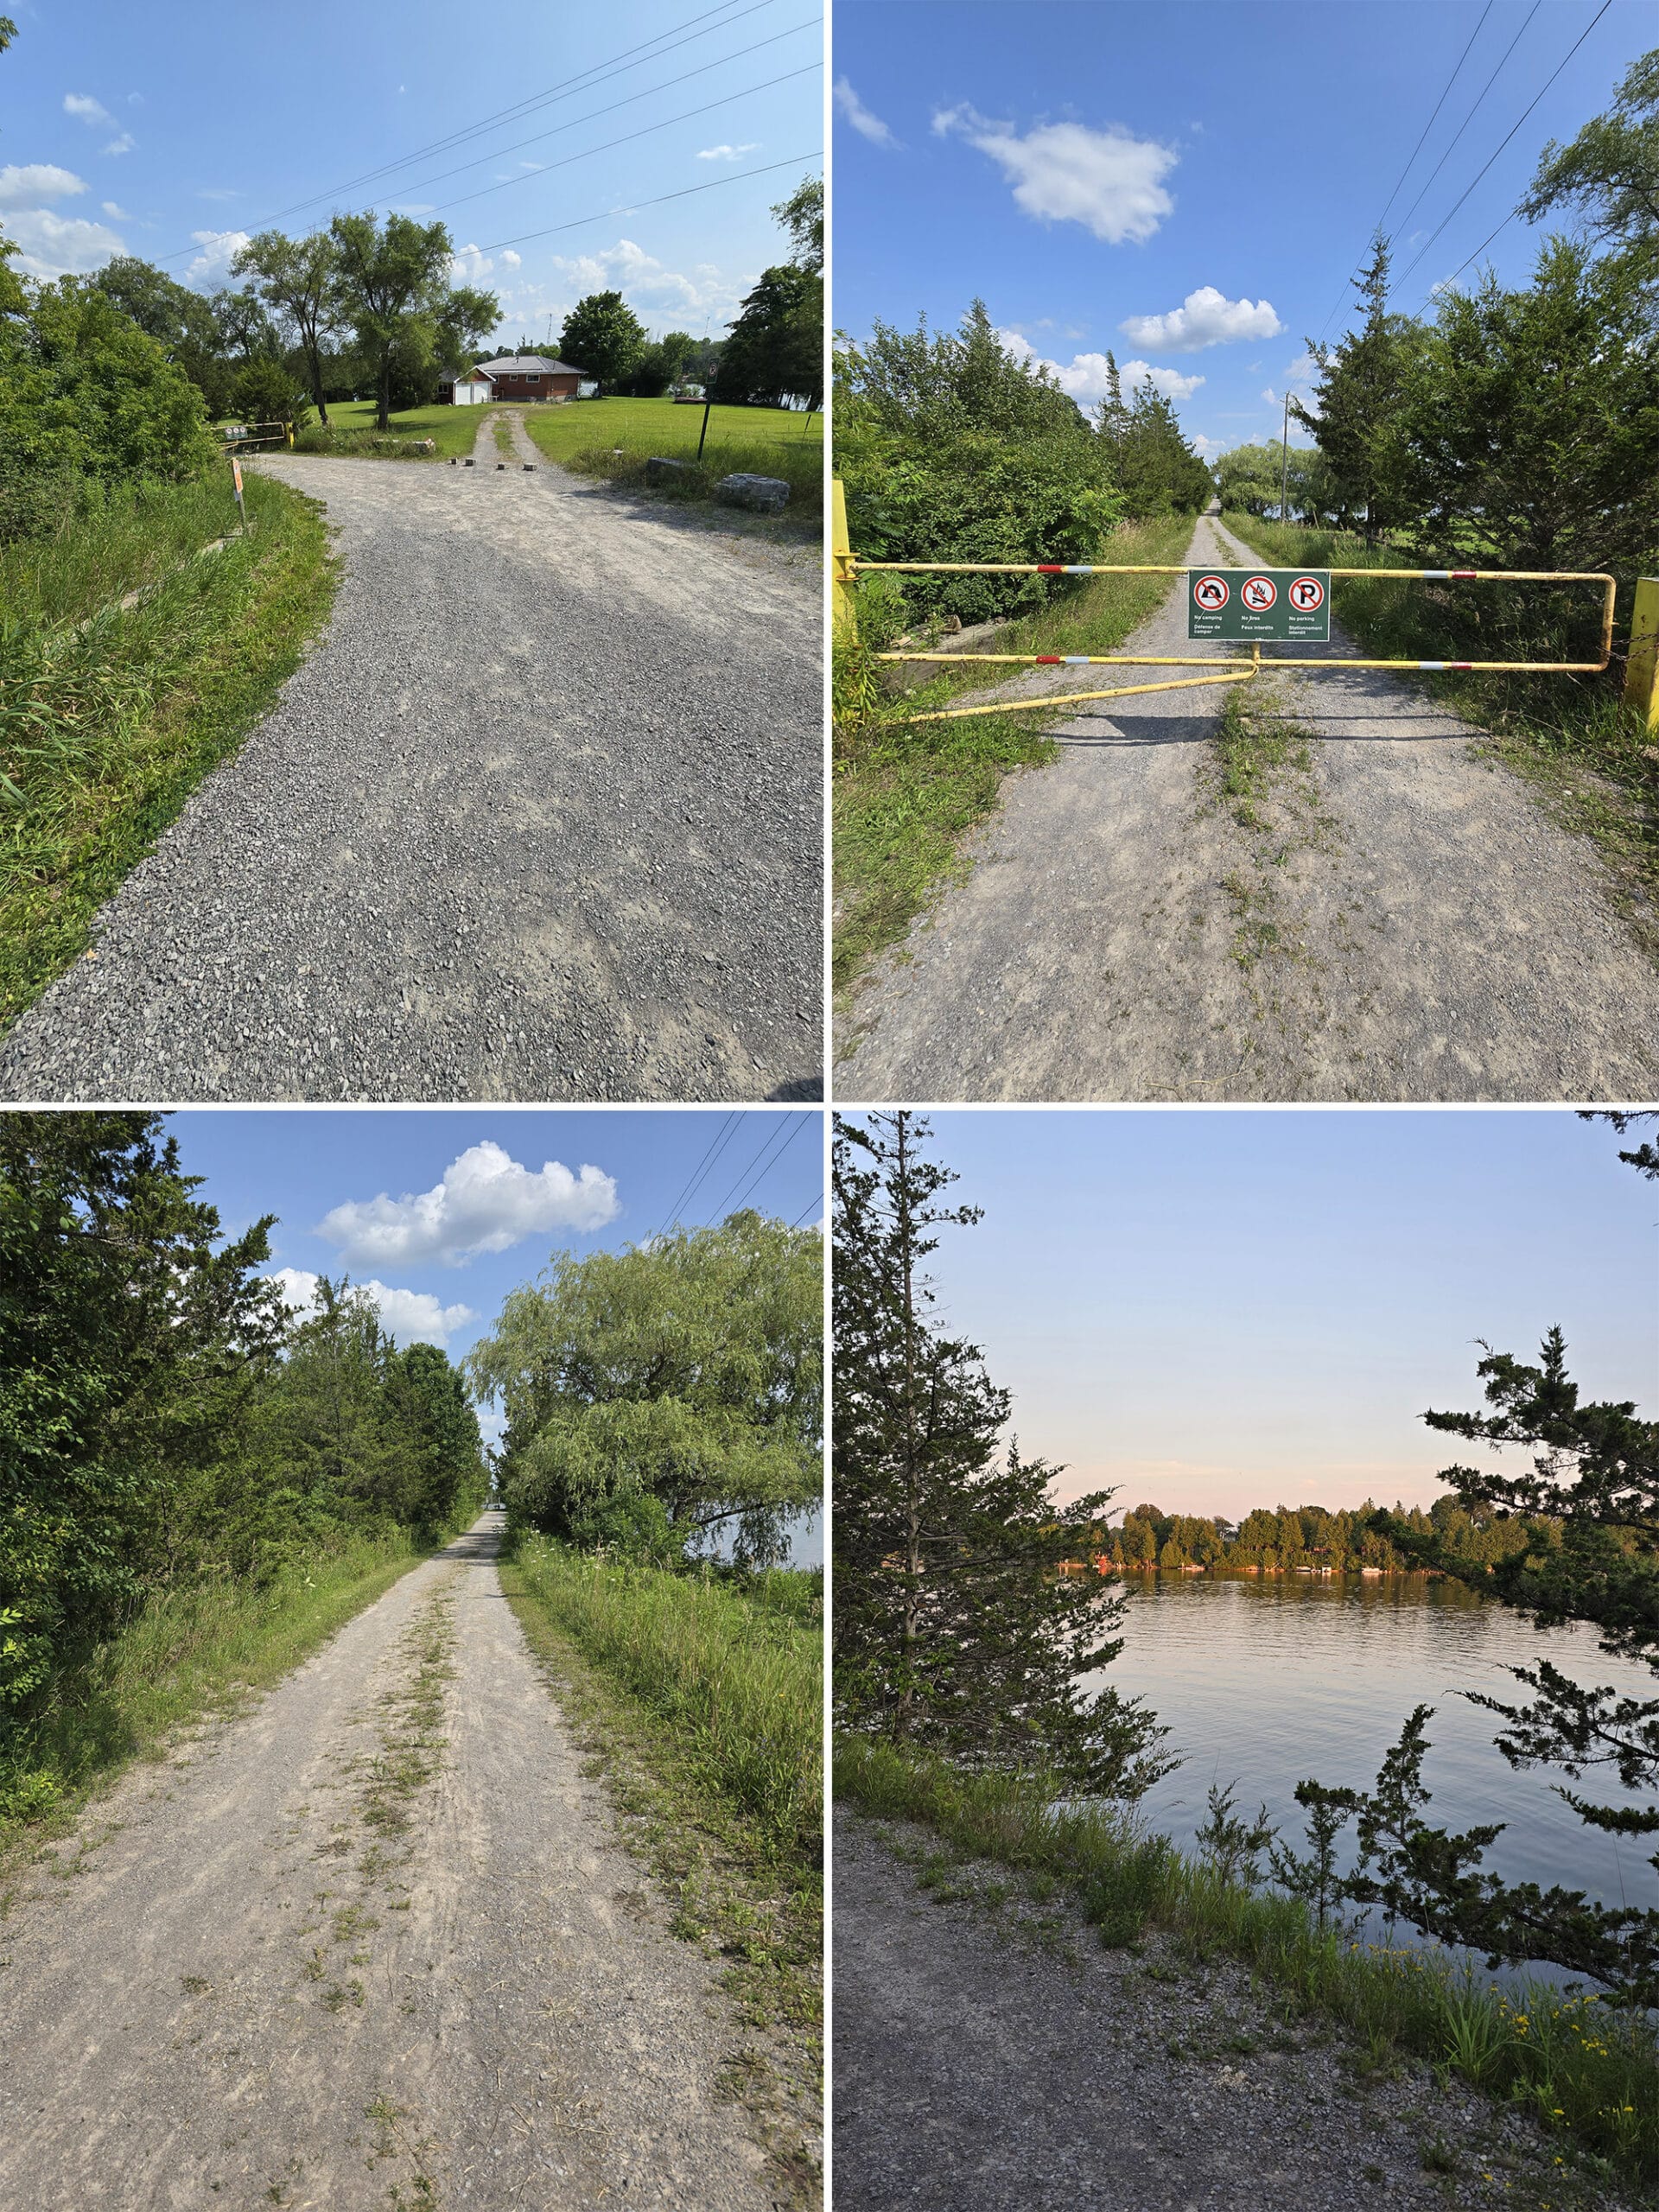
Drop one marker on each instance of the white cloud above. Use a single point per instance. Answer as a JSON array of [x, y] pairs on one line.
[[83, 105], [58, 245], [1107, 181], [219, 250], [727, 152], [645, 282], [34, 181], [116, 214], [1084, 375], [123, 143], [485, 1202], [1205, 317], [217, 192], [1302, 369], [411, 207], [511, 260], [414, 1317], [867, 126], [1207, 447]]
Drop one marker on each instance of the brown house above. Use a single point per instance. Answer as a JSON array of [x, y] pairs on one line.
[[519, 376]]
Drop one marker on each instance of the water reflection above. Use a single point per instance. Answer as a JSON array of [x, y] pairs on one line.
[[1270, 1682]]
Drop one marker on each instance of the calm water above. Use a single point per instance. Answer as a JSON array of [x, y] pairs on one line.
[[1273, 1682]]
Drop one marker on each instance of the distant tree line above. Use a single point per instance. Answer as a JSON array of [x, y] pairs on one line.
[[165, 1417], [1285, 1539], [953, 447]]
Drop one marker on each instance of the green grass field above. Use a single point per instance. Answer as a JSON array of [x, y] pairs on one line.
[[614, 438], [454, 429]]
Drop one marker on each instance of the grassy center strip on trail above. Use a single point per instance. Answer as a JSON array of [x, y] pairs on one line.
[[701, 1702], [1581, 2069], [111, 717], [1258, 771], [1584, 751], [907, 793], [193, 1655]]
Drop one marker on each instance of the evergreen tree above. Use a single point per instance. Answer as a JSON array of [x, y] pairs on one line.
[[956, 1630], [1362, 390], [1157, 471], [1111, 415]]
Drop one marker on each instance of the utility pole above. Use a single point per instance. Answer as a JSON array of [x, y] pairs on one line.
[[1284, 468]]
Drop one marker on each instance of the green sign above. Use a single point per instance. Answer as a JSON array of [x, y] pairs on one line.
[[1259, 603]]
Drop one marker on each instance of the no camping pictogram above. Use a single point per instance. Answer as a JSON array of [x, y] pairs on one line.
[[1258, 593], [1211, 593], [1307, 595]]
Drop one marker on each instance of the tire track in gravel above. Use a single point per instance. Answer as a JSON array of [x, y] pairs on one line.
[[988, 2058], [539, 818], [1407, 923], [374, 1943]]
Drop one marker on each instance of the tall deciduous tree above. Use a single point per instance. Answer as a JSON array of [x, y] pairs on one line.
[[393, 288], [956, 1628], [603, 336], [295, 278], [1609, 174], [689, 1370]]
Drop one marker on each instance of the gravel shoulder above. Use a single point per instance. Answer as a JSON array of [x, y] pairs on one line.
[[1404, 923], [992, 2058], [540, 817], [374, 1943]]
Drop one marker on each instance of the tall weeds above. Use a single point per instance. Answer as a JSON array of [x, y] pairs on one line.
[[735, 1671], [1573, 2062]]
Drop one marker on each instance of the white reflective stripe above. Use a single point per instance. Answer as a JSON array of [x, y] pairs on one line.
[[1079, 569], [1077, 660], [1441, 574], [1431, 664]]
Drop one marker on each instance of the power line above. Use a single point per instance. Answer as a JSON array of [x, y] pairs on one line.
[[584, 81], [593, 114], [812, 1206], [749, 1187], [1510, 134], [725, 101], [1418, 148], [716, 1145], [633, 206], [760, 1166], [1473, 111]]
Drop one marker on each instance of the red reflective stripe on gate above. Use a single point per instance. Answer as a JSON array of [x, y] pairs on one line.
[[1051, 660], [1050, 568], [1459, 663], [1462, 577]]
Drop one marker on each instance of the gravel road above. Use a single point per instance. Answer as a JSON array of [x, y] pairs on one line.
[[374, 1943], [1406, 924], [540, 817], [986, 2062]]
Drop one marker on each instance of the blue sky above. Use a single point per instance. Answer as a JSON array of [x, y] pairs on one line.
[[1217, 1310], [171, 130], [1190, 183], [444, 1210]]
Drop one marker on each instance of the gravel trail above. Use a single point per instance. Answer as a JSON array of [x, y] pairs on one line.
[[1406, 923], [987, 2061], [372, 1944], [539, 818]]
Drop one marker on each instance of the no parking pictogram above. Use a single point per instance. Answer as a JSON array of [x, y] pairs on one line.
[[1307, 595], [1211, 593], [1258, 593]]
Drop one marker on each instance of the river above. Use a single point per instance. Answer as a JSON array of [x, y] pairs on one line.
[[1267, 1683]]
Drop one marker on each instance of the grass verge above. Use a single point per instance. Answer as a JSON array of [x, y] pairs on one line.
[[1259, 772], [189, 1655], [1584, 2071], [108, 719], [612, 439], [700, 1703], [351, 428], [906, 793], [1588, 756]]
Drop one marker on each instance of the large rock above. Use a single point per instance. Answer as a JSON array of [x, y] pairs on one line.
[[659, 471], [766, 495]]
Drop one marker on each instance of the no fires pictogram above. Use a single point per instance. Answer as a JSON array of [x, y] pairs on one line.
[[1258, 593]]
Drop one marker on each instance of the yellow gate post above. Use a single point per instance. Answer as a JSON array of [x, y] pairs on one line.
[[1642, 670], [841, 564]]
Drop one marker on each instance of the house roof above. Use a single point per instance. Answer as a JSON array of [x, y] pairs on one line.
[[533, 365]]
